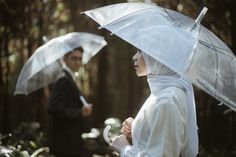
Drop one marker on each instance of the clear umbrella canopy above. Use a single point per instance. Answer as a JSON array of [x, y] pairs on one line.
[[178, 42], [43, 67]]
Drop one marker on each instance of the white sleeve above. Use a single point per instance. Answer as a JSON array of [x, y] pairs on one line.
[[166, 133], [129, 151]]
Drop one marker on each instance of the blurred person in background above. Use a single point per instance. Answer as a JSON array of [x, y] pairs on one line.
[[66, 110]]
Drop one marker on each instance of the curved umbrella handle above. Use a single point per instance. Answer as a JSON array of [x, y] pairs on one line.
[[105, 134]]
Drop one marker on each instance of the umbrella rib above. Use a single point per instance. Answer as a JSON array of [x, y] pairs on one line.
[[216, 64], [126, 25], [169, 14], [226, 101], [217, 71], [218, 49]]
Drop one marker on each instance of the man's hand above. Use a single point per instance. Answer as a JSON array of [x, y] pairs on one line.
[[87, 110]]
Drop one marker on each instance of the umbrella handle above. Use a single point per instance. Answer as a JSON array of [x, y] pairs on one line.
[[201, 15], [84, 101], [105, 134]]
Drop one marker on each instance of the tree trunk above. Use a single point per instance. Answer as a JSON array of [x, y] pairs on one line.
[[233, 26], [5, 107], [102, 105], [1, 83]]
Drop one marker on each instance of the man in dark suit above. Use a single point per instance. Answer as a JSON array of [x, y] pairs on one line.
[[66, 110]]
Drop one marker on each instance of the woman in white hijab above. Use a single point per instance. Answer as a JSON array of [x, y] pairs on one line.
[[166, 124]]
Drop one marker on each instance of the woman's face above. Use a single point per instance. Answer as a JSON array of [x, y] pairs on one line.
[[139, 64]]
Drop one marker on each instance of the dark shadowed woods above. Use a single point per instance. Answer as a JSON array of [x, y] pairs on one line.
[[108, 81]]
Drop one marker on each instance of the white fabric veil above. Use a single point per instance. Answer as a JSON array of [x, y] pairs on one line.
[[159, 77]]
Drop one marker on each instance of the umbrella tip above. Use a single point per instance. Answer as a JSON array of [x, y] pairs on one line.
[[201, 15], [100, 27], [45, 39]]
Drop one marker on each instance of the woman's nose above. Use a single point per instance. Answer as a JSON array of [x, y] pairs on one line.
[[134, 58]]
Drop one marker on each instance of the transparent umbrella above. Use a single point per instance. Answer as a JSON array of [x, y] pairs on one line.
[[177, 41], [43, 67]]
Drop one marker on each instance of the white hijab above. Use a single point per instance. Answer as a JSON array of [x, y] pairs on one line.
[[159, 77]]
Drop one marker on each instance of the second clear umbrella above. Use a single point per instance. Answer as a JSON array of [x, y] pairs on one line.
[[43, 67]]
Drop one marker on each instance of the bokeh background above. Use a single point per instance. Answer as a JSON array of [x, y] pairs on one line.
[[108, 81]]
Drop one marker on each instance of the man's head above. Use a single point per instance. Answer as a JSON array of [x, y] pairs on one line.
[[73, 59]]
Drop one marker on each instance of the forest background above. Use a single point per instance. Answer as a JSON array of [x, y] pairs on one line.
[[109, 80]]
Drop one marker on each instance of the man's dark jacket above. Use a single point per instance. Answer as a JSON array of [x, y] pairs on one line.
[[65, 118]]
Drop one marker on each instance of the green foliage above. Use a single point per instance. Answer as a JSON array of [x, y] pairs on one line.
[[26, 139]]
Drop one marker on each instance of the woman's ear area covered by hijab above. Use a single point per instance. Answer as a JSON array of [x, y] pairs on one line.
[[139, 64], [154, 67]]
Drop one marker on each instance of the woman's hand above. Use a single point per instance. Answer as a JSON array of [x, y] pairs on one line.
[[126, 127], [119, 142]]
